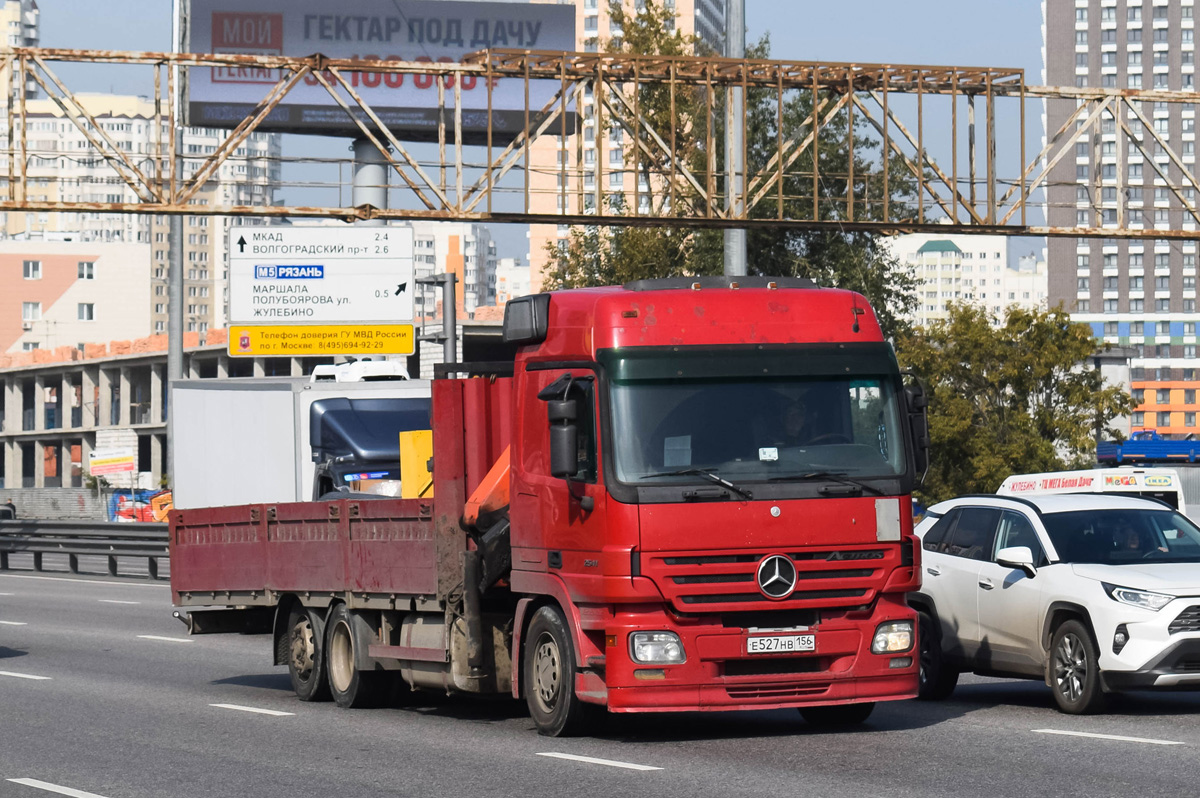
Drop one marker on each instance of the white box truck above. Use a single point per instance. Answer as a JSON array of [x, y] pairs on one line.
[[256, 440]]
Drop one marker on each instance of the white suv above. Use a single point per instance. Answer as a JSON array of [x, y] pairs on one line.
[[1091, 593]]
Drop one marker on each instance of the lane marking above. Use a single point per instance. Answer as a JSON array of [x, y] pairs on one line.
[[25, 676], [8, 594], [1116, 737], [255, 710], [86, 581], [56, 788], [117, 601], [14, 623], [591, 760], [167, 639]]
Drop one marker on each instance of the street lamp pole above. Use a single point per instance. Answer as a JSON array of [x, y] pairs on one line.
[[175, 242], [735, 201]]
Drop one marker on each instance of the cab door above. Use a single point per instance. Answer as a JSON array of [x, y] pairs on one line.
[[558, 525], [1010, 603]]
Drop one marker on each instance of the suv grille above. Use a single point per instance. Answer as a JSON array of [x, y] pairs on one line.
[[1188, 621], [725, 581]]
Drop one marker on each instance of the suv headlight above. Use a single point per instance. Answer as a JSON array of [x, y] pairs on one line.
[[1144, 599], [656, 648], [893, 637]]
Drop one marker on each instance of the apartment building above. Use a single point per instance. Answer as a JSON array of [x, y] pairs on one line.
[[968, 268], [1138, 294], [512, 279], [20, 20], [702, 18], [462, 247], [72, 293], [63, 166]]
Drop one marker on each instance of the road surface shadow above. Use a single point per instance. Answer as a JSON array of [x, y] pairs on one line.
[[6, 653], [269, 681], [478, 709], [1033, 694]]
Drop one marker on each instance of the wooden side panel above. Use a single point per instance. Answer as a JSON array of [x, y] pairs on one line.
[[223, 548], [392, 548], [307, 548]]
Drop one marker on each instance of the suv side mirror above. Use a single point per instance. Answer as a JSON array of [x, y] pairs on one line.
[[564, 437], [1020, 557]]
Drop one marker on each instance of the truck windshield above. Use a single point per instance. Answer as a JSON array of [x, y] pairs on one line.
[[756, 429]]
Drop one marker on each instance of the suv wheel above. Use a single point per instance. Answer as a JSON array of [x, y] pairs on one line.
[[1075, 670], [936, 679]]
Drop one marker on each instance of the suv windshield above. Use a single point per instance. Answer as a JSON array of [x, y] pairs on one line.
[[1118, 537], [755, 415]]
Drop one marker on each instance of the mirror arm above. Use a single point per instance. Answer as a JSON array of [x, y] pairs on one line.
[[586, 503]]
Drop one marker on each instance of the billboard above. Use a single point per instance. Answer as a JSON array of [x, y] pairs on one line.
[[102, 462], [425, 31]]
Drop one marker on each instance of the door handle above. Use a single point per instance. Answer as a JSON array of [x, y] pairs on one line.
[[986, 584], [934, 571]]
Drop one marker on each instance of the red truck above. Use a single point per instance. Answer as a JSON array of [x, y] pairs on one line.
[[690, 494]]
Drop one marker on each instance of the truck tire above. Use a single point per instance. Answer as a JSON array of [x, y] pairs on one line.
[[937, 679], [306, 655], [549, 674], [837, 716], [350, 687]]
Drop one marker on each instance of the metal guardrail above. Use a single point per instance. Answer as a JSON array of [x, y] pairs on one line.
[[83, 538]]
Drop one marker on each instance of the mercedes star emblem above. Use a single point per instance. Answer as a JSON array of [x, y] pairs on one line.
[[777, 576]]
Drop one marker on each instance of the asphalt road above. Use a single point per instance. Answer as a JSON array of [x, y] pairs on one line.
[[102, 694]]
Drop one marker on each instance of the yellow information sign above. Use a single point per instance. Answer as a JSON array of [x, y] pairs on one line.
[[300, 340]]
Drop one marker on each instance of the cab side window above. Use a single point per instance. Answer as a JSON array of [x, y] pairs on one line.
[[935, 538], [584, 394], [974, 534], [1015, 530]]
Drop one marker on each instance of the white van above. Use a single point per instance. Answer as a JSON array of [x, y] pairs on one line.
[[1154, 483]]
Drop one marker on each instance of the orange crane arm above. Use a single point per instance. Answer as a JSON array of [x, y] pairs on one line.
[[491, 494]]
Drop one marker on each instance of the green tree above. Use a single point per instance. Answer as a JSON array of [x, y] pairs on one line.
[[832, 257], [1008, 398], [613, 255]]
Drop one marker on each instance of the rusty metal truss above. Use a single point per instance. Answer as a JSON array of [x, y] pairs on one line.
[[881, 148]]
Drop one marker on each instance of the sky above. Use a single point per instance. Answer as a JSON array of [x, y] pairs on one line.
[[994, 33]]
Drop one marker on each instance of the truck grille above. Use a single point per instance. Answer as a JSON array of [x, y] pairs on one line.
[[1188, 621], [725, 581], [774, 666], [777, 692]]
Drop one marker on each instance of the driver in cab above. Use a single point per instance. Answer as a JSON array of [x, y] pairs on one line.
[[800, 424]]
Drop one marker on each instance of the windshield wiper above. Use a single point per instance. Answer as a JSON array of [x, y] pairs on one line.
[[708, 474], [833, 476]]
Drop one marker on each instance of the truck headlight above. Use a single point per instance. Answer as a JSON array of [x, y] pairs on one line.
[[892, 637], [1137, 598], [656, 648]]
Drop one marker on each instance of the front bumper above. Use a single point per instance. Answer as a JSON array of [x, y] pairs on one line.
[[1177, 668], [1162, 652], [719, 674]]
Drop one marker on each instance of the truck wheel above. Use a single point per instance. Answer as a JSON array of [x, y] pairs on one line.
[[306, 658], [936, 679], [1075, 670], [351, 688], [549, 674], [837, 716]]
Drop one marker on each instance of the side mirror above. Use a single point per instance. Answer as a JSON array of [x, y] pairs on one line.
[[1019, 557], [917, 404], [564, 437]]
